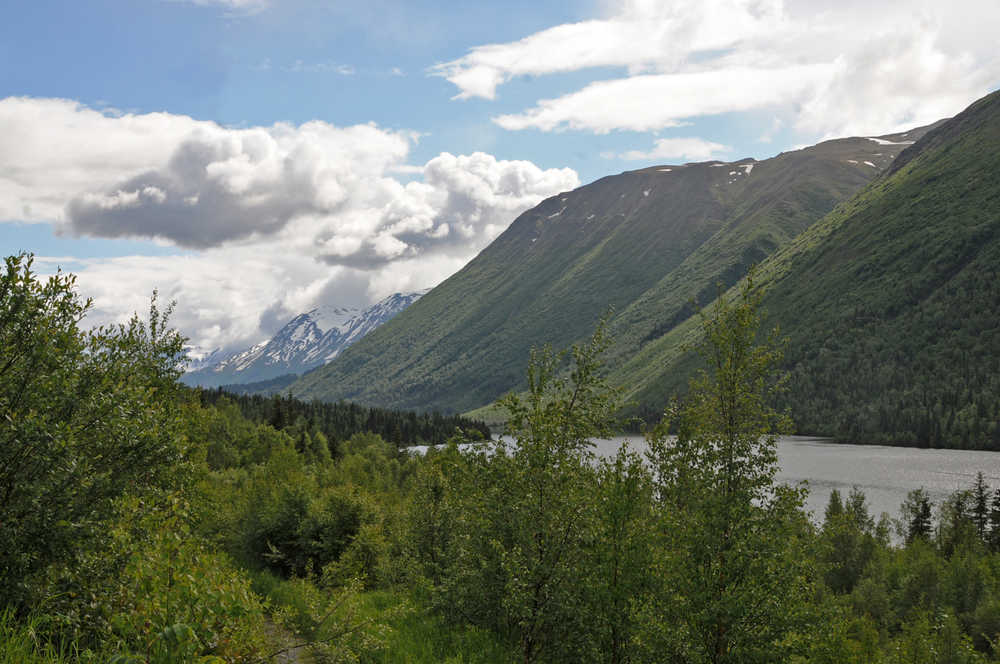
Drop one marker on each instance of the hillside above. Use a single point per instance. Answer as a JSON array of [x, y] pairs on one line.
[[890, 302], [641, 243]]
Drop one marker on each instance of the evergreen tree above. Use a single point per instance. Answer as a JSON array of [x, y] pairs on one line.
[[834, 509], [917, 511], [980, 505]]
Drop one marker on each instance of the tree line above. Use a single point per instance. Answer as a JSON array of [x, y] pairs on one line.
[[339, 421]]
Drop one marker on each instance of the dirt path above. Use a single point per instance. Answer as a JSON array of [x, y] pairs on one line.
[[282, 638]]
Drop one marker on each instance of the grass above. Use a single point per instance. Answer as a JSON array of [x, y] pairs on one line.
[[395, 628], [419, 637], [20, 642]]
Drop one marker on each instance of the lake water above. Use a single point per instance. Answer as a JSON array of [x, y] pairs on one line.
[[885, 474]]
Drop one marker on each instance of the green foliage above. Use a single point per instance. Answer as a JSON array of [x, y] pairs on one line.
[[916, 516], [531, 549], [153, 590], [418, 637], [620, 558], [524, 533], [85, 416], [21, 642], [734, 580], [513, 538], [850, 541], [283, 518], [230, 440], [332, 626]]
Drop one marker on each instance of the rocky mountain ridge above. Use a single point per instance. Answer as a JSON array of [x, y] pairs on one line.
[[307, 341]]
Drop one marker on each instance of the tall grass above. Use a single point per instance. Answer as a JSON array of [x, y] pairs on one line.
[[418, 637], [22, 642]]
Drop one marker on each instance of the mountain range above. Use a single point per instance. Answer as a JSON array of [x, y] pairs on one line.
[[307, 341], [636, 247], [879, 257]]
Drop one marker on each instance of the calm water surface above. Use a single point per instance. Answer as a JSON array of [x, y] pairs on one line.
[[885, 474]]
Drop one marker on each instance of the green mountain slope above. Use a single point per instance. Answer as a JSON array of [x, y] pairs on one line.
[[642, 243], [891, 303]]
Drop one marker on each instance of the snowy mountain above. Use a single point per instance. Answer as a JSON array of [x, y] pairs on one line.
[[305, 342]]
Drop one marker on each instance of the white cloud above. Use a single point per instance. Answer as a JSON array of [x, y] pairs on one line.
[[645, 34], [851, 67], [300, 66], [654, 101], [276, 216], [54, 149], [690, 149], [242, 6]]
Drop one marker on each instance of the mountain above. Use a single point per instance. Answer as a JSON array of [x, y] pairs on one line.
[[307, 341], [641, 243], [891, 303]]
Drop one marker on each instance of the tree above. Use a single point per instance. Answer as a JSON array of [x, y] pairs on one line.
[[849, 541], [980, 505], [526, 516], [732, 569], [85, 417], [916, 511], [620, 556], [834, 508]]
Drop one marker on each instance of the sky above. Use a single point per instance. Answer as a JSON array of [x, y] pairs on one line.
[[253, 159]]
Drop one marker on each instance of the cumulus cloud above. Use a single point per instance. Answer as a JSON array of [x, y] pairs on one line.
[[275, 219], [223, 184], [54, 149], [690, 149], [852, 67]]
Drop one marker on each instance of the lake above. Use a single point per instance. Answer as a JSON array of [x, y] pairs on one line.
[[885, 474]]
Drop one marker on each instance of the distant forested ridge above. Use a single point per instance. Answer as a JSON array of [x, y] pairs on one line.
[[340, 421], [643, 243], [261, 387], [891, 303]]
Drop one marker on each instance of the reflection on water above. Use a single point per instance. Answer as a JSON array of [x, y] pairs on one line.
[[885, 474]]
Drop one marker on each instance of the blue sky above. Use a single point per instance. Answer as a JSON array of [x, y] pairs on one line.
[[254, 158]]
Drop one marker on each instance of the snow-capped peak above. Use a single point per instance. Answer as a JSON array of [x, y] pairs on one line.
[[303, 343], [328, 317]]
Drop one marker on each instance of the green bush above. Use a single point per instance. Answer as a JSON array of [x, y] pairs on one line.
[[85, 417]]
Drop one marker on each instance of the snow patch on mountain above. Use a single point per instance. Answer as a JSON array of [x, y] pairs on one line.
[[882, 141], [327, 317], [304, 343]]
